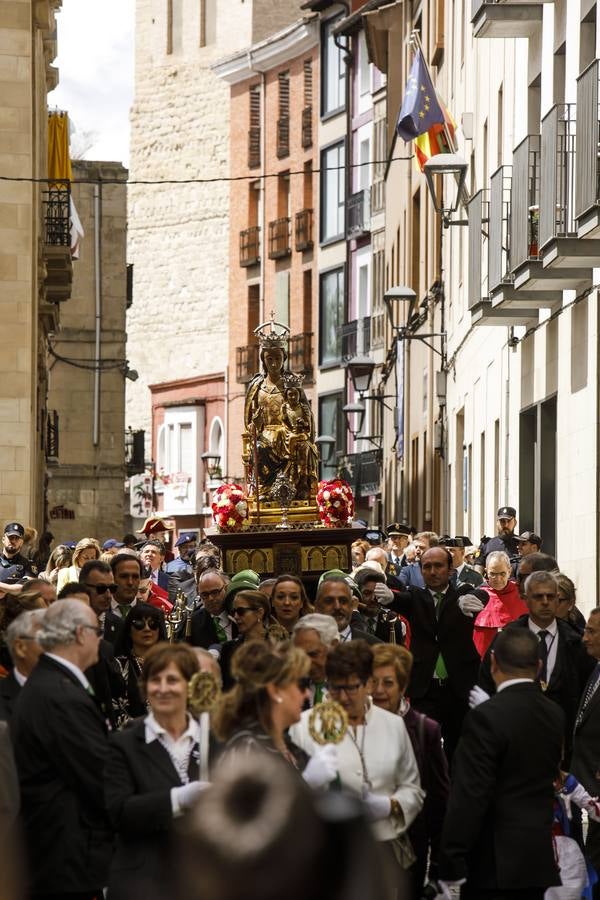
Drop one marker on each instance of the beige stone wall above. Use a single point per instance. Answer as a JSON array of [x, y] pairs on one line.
[[179, 234], [26, 51], [89, 479]]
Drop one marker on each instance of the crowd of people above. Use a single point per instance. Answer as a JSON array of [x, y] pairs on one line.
[[468, 765]]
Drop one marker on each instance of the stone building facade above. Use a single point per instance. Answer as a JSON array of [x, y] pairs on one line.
[[35, 263], [86, 420], [179, 233]]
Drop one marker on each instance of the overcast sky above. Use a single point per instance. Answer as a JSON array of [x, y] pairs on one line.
[[95, 62]]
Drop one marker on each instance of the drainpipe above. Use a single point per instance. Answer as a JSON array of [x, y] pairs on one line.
[[263, 183], [97, 316]]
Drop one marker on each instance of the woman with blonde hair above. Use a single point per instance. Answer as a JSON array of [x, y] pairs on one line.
[[60, 558], [272, 686], [85, 550]]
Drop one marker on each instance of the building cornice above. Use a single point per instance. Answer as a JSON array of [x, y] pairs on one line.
[[279, 48]]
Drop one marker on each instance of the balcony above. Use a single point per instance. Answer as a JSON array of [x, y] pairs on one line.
[[480, 303], [279, 238], [247, 363], [587, 162], [358, 214], [301, 353], [250, 246], [57, 244], [355, 338], [362, 471], [500, 19], [530, 279], [307, 134], [303, 227], [560, 247]]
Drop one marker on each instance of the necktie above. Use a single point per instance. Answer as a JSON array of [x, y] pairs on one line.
[[438, 597], [221, 633], [371, 624], [441, 671], [124, 609], [542, 635], [589, 693], [318, 693]]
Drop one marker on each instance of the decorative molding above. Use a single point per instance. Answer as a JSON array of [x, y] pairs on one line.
[[270, 53]]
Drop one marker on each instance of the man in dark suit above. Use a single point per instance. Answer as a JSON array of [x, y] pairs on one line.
[[498, 828], [24, 652], [585, 761], [462, 574], [210, 623], [127, 572], [566, 666], [334, 598], [61, 746], [445, 659], [152, 555]]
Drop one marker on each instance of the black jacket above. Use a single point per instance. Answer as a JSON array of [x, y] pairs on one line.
[[569, 676], [9, 691], [451, 635], [139, 778], [498, 827], [61, 745], [107, 681], [585, 761], [203, 631]]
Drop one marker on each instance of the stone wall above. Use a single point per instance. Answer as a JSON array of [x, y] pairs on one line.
[[87, 479]]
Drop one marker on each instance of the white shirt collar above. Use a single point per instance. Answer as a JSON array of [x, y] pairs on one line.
[[346, 634], [512, 681], [153, 731], [551, 629], [460, 568], [19, 677], [71, 667], [115, 606]]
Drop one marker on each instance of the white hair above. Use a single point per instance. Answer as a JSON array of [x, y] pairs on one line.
[[24, 626], [498, 556], [60, 623], [325, 626]]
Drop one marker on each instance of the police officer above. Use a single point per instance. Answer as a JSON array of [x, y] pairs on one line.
[[505, 539], [14, 566], [398, 537], [180, 570]]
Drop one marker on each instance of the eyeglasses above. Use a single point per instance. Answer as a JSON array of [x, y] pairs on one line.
[[102, 588], [349, 689], [211, 595], [140, 624], [303, 683], [97, 629], [242, 610]]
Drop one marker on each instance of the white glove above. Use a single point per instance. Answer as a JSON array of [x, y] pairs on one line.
[[322, 767], [469, 605], [581, 798], [477, 695], [184, 797], [383, 594], [378, 806], [449, 889]]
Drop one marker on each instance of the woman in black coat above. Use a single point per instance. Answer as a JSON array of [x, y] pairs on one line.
[[152, 775], [143, 628]]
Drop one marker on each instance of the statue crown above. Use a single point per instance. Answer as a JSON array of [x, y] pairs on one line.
[[272, 334]]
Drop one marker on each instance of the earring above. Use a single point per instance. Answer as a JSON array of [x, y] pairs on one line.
[[279, 699]]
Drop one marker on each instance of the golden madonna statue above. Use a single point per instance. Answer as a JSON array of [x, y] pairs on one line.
[[279, 436]]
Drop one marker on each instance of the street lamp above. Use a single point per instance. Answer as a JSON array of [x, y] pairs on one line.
[[355, 416], [326, 443], [446, 164], [212, 461], [360, 369], [394, 296]]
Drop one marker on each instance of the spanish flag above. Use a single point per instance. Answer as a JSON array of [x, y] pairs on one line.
[[439, 139]]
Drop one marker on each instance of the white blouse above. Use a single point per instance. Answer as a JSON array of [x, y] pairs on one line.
[[389, 764]]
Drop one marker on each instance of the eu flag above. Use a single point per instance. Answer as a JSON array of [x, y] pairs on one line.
[[420, 108]]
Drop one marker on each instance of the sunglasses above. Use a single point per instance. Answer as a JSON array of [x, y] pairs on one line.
[[140, 624], [102, 588], [242, 610]]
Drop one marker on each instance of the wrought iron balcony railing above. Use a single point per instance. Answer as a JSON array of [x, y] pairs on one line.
[[358, 212], [247, 361], [524, 202], [57, 213], [304, 229], [557, 185], [250, 246], [301, 354], [279, 238], [355, 338]]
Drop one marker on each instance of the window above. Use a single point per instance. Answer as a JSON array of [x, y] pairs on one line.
[[333, 192], [380, 154], [283, 122], [332, 422], [208, 22], [254, 128], [331, 316], [174, 26], [333, 69], [307, 109], [364, 67]]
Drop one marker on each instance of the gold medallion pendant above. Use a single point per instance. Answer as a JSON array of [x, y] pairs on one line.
[[328, 723]]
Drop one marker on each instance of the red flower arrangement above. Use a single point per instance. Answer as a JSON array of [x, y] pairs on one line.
[[335, 502], [230, 507]]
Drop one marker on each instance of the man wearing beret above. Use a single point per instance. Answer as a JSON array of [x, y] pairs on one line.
[[13, 565], [504, 539]]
